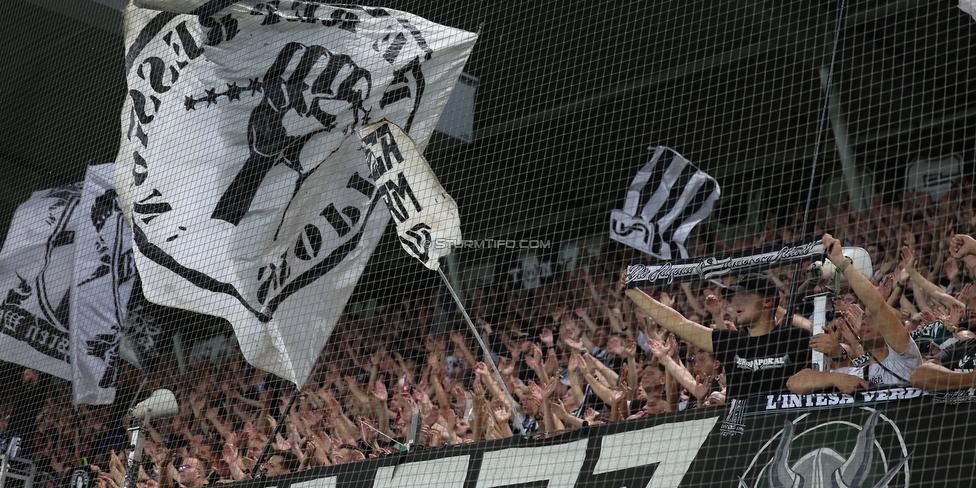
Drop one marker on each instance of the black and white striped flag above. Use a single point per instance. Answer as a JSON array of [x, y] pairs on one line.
[[668, 197]]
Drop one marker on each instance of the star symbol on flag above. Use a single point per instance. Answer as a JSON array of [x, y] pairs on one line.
[[190, 103], [233, 92], [211, 97]]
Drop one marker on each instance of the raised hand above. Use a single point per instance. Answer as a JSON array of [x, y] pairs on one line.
[[551, 364], [715, 306], [827, 343], [229, 453], [703, 386], [834, 249], [951, 269], [574, 344], [575, 361], [380, 392], [962, 245], [506, 367], [908, 259], [886, 286], [549, 387], [546, 336], [659, 350], [955, 315]]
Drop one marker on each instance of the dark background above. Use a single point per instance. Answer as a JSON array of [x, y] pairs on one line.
[[571, 95]]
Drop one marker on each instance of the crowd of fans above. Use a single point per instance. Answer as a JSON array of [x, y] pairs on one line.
[[576, 351]]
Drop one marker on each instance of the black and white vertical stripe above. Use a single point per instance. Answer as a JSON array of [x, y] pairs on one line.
[[678, 196]]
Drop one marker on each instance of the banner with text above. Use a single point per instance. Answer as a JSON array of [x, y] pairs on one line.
[[424, 212], [714, 267], [911, 441], [240, 169]]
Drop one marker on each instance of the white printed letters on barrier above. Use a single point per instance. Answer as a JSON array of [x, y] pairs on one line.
[[667, 450]]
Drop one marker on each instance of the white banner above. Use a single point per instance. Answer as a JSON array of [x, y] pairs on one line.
[[240, 167], [934, 176], [37, 261], [680, 197], [103, 275], [425, 214], [67, 274]]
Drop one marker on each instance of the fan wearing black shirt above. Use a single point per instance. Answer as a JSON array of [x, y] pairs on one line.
[[761, 355]]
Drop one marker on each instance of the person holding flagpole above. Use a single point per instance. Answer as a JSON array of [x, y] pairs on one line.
[[890, 353]]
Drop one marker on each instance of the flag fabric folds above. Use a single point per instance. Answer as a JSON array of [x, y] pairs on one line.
[[668, 197], [426, 217], [66, 271], [240, 169]]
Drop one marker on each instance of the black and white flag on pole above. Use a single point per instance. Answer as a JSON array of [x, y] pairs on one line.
[[142, 331], [668, 197], [104, 273], [426, 216], [240, 168], [66, 272]]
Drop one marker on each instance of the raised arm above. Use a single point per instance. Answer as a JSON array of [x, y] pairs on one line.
[[673, 321], [930, 289], [886, 318], [680, 374]]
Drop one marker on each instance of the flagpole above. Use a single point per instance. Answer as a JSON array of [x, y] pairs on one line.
[[274, 432], [791, 298], [474, 330]]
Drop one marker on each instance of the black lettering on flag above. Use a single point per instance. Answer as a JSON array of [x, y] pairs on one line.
[[380, 164], [394, 193]]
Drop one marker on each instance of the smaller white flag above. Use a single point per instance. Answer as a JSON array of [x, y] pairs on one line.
[[66, 273], [680, 196], [426, 217], [104, 272]]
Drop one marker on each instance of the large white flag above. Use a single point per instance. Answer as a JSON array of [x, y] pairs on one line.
[[426, 216], [668, 197], [240, 168], [66, 272]]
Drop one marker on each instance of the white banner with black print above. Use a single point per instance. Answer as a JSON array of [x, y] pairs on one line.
[[424, 213], [67, 275], [240, 168]]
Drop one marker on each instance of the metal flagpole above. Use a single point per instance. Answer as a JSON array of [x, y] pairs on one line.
[[474, 330], [274, 432], [791, 298]]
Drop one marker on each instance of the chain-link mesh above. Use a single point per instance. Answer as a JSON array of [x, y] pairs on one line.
[[650, 285]]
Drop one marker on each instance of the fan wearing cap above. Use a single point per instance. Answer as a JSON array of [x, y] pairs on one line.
[[761, 355], [890, 353]]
